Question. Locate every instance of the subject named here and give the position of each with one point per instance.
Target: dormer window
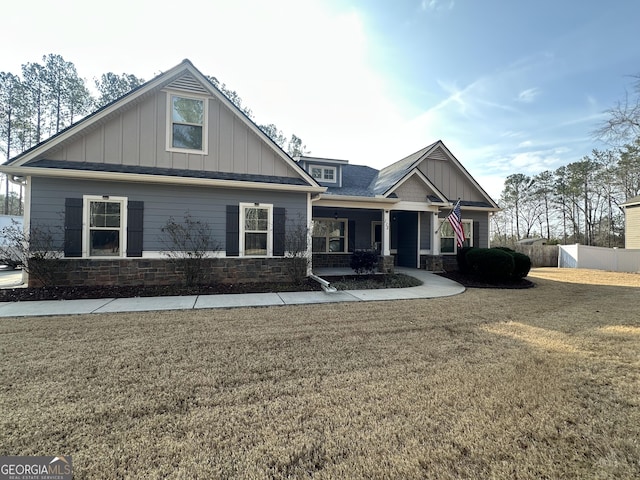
(323, 174)
(187, 124)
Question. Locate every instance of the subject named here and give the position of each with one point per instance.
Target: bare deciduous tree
(187, 244)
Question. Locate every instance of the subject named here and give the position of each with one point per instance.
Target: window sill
(186, 150)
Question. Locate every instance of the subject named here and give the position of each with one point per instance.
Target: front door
(407, 239)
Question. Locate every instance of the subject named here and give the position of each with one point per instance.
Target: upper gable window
(323, 174)
(187, 124)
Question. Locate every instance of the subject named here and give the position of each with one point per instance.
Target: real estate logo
(36, 468)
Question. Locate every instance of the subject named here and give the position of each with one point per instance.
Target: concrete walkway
(432, 286)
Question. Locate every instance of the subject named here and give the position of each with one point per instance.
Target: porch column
(309, 255)
(386, 234)
(435, 234)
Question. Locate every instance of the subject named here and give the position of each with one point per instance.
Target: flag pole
(454, 207)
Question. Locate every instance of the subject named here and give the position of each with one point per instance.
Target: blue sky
(510, 86)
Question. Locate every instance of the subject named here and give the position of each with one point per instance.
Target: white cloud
(528, 95)
(437, 5)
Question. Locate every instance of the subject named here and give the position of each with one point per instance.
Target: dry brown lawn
(518, 384)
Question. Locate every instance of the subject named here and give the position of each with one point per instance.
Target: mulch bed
(474, 281)
(115, 291)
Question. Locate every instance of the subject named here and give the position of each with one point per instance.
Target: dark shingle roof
(356, 180)
(468, 203)
(170, 172)
(390, 175)
(632, 201)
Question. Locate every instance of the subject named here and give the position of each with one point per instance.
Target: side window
(329, 236)
(256, 230)
(104, 226)
(448, 237)
(187, 117)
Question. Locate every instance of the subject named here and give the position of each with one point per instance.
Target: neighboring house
(176, 144)
(532, 241)
(632, 222)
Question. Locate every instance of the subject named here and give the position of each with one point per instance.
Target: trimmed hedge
(493, 264)
(522, 263)
(490, 263)
(461, 257)
(364, 261)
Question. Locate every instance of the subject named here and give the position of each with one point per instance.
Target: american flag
(455, 219)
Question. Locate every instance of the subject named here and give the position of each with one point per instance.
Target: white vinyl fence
(599, 258)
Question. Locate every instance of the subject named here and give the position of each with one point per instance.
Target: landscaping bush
(188, 244)
(295, 246)
(522, 263)
(461, 257)
(490, 263)
(364, 261)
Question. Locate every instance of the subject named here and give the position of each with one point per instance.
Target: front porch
(401, 237)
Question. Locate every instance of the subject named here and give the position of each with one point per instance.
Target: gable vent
(439, 154)
(188, 83)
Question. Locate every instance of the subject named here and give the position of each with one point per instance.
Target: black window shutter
(233, 231)
(73, 227)
(476, 234)
(135, 221)
(352, 236)
(279, 220)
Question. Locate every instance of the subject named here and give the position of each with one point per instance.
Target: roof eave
(355, 198)
(480, 209)
(155, 179)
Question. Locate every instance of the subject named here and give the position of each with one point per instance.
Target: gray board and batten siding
(439, 169)
(137, 136)
(208, 204)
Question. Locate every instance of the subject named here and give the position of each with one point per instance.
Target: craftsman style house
(176, 145)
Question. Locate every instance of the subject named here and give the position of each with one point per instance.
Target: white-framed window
(324, 174)
(448, 243)
(256, 230)
(187, 123)
(329, 235)
(104, 226)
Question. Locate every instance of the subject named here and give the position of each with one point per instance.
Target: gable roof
(362, 181)
(390, 176)
(184, 76)
(631, 202)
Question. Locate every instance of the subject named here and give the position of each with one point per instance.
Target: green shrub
(461, 257)
(522, 263)
(490, 263)
(364, 261)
